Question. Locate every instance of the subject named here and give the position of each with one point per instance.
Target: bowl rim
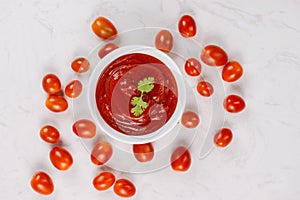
(171, 123)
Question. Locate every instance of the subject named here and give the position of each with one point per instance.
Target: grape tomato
(73, 89)
(190, 119)
(213, 55)
(180, 159)
(101, 153)
(205, 89)
(49, 134)
(187, 26)
(61, 158)
(106, 49)
(42, 183)
(104, 181)
(232, 71)
(80, 65)
(164, 41)
(124, 188)
(51, 84)
(56, 103)
(143, 152)
(84, 128)
(234, 103)
(192, 67)
(223, 137)
(104, 28)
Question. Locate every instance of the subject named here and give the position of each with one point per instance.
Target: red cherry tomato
(56, 103)
(223, 137)
(124, 188)
(205, 89)
(234, 104)
(164, 41)
(84, 128)
(73, 89)
(106, 49)
(187, 26)
(42, 183)
(49, 134)
(104, 181)
(80, 65)
(213, 55)
(192, 67)
(190, 119)
(143, 152)
(181, 159)
(104, 29)
(61, 158)
(51, 84)
(232, 71)
(101, 153)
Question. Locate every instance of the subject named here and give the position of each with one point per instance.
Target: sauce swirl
(117, 85)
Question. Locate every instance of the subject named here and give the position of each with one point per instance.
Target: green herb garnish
(144, 86)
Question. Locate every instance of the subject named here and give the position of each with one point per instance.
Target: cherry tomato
(232, 71)
(42, 183)
(223, 137)
(124, 188)
(213, 55)
(143, 152)
(190, 119)
(84, 128)
(181, 159)
(51, 84)
(192, 67)
(80, 65)
(56, 103)
(61, 158)
(101, 153)
(49, 134)
(164, 41)
(205, 89)
(106, 49)
(234, 104)
(104, 181)
(187, 26)
(73, 89)
(104, 29)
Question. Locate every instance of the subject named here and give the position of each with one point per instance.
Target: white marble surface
(262, 163)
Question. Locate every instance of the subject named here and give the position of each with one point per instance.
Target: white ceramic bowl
(169, 125)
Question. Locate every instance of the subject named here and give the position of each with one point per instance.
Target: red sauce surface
(117, 85)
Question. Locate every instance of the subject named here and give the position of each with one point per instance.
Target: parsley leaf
(145, 85)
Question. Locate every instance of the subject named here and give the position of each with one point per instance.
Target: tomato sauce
(118, 84)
